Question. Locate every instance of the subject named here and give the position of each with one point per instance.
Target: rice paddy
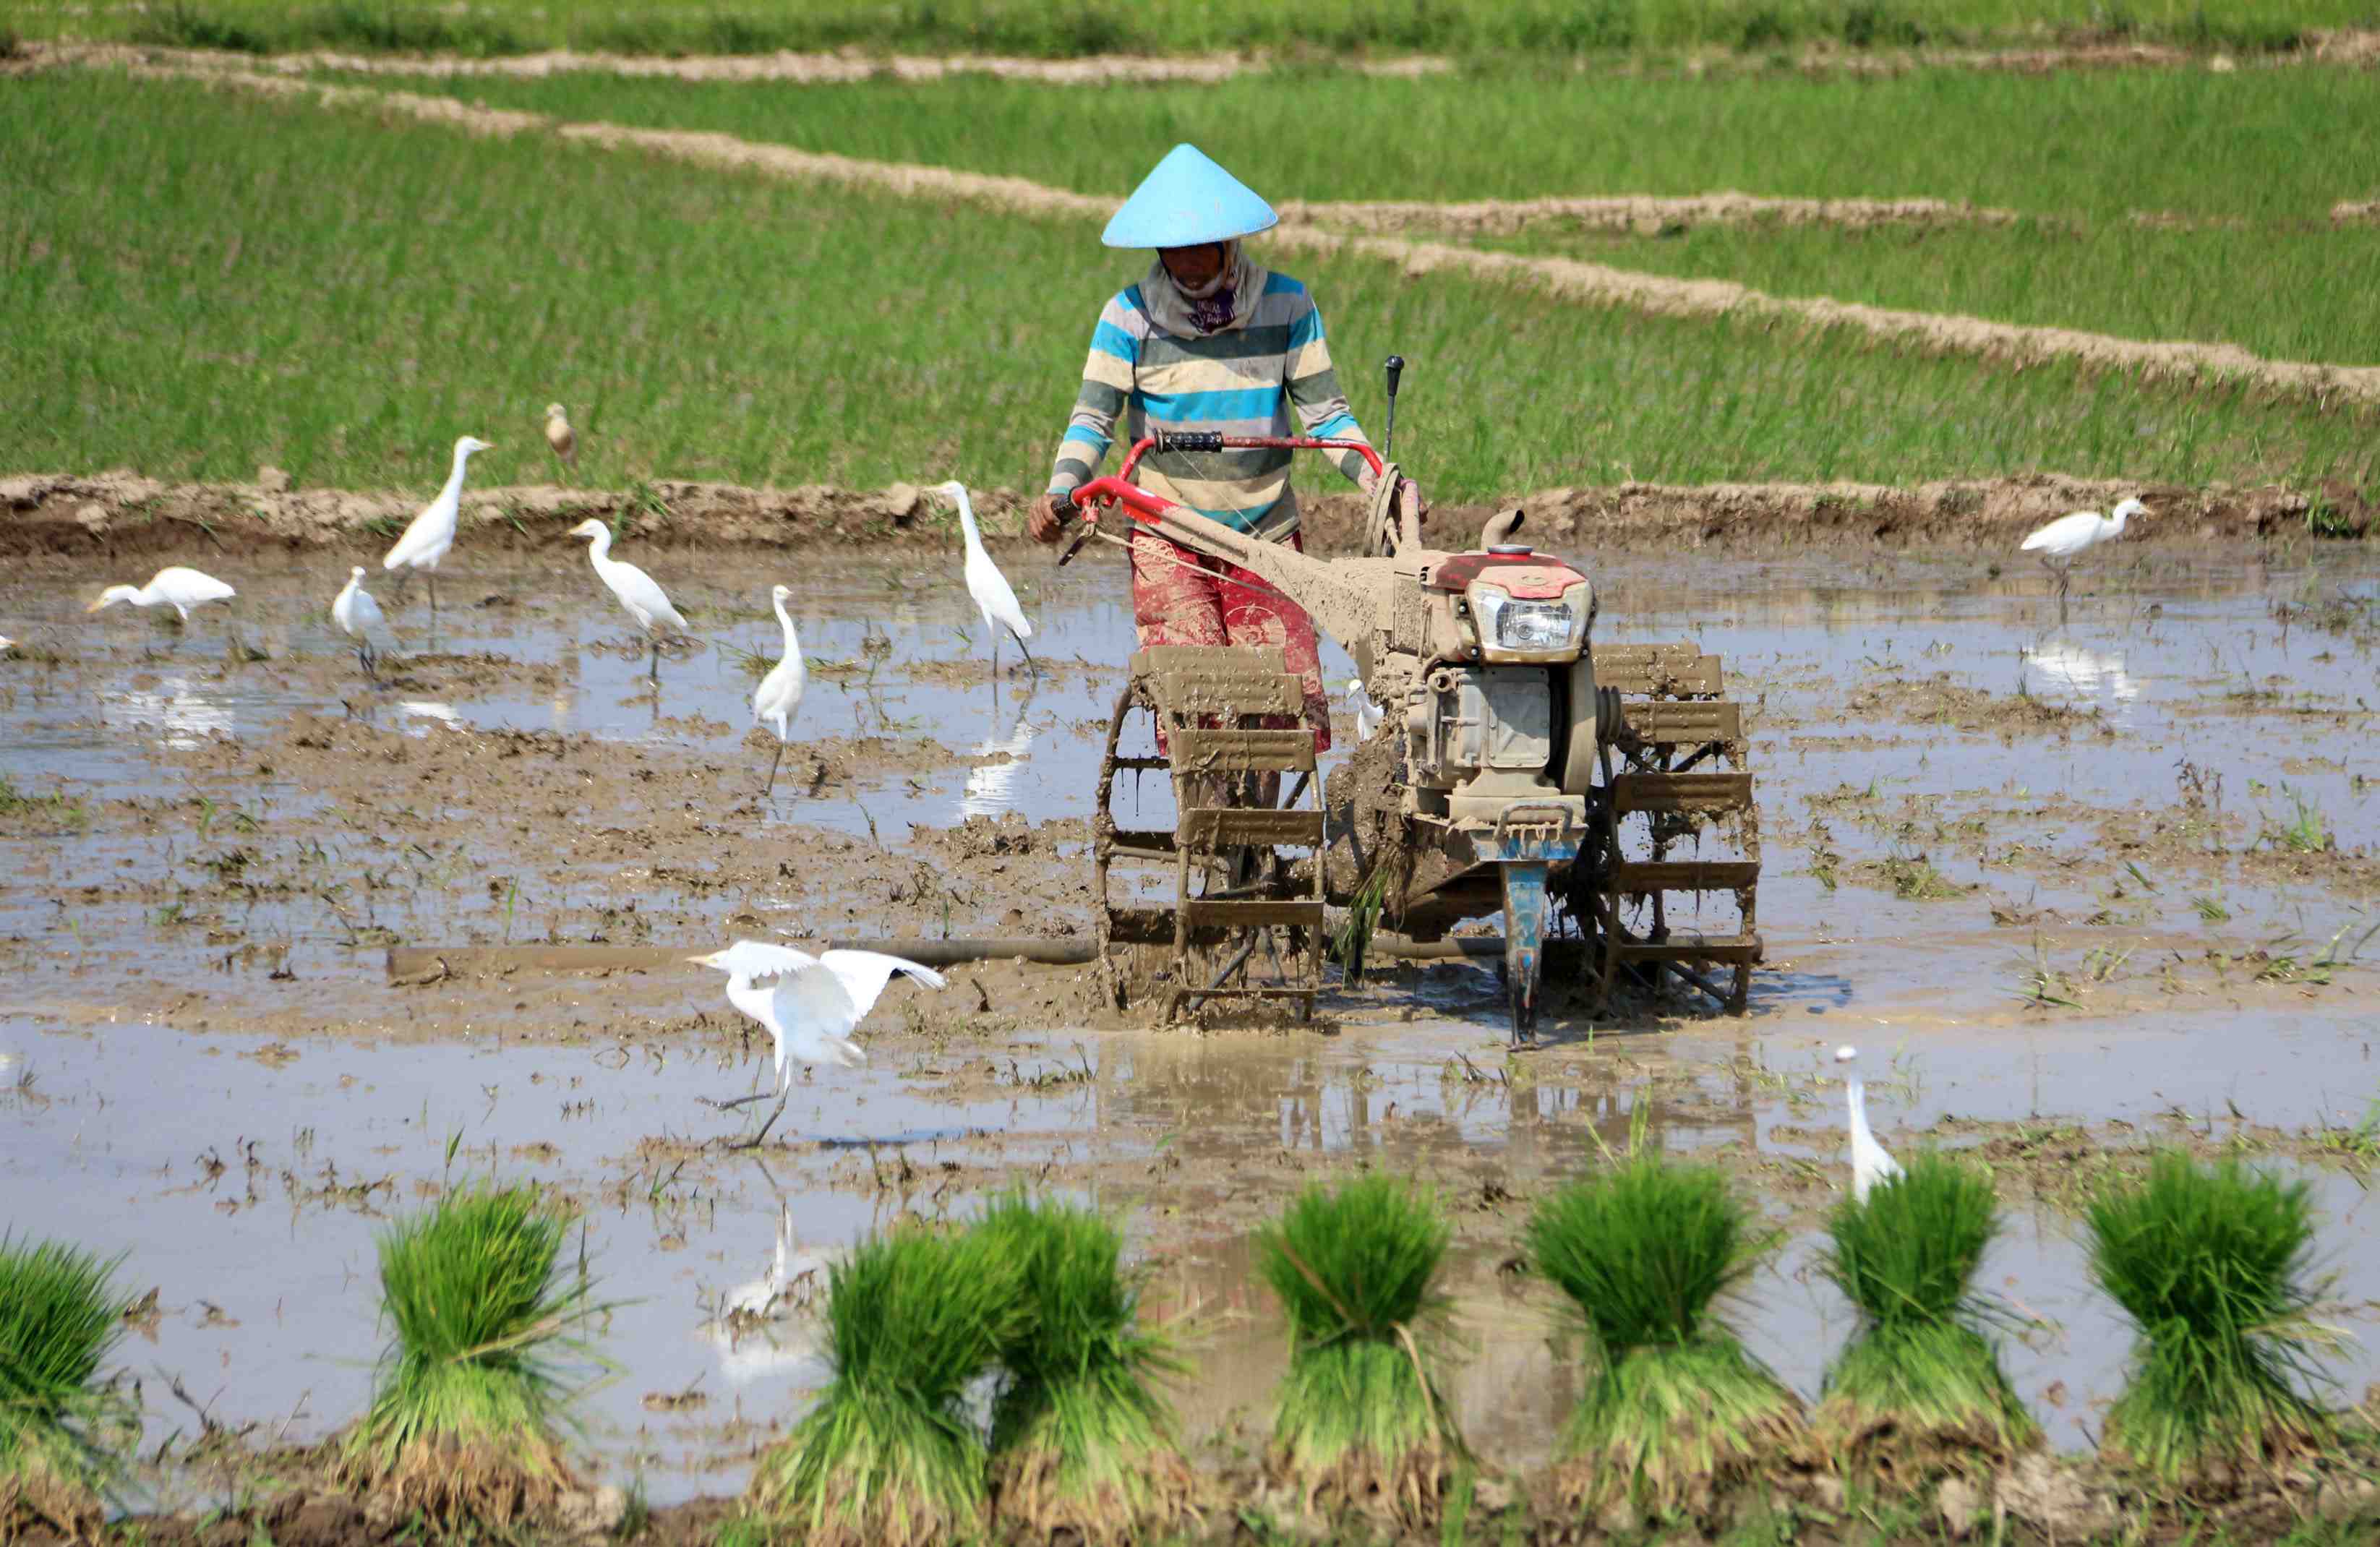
(1674, 1408)
(2214, 1266)
(469, 1418)
(888, 1454)
(191, 335)
(1358, 1422)
(1920, 1387)
(1471, 1322)
(62, 1430)
(1083, 1440)
(1095, 26)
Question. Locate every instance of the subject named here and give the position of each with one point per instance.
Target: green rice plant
(888, 1456)
(2211, 1266)
(465, 1430)
(60, 1314)
(1921, 1387)
(1357, 1419)
(131, 185)
(1674, 1408)
(1083, 1443)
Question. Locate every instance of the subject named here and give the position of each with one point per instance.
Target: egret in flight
(779, 696)
(1368, 714)
(359, 617)
(1870, 1163)
(559, 436)
(994, 597)
(173, 587)
(645, 600)
(811, 1002)
(431, 533)
(2069, 537)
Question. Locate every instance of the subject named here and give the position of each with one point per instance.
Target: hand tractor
(1519, 766)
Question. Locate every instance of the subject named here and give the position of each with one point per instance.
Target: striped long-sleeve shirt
(1242, 380)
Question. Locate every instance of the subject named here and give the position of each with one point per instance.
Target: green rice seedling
(1357, 1419)
(60, 1314)
(888, 1456)
(465, 1425)
(1674, 1408)
(1083, 1443)
(1921, 1387)
(2211, 1265)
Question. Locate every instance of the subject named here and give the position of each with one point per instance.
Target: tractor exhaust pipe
(1388, 440)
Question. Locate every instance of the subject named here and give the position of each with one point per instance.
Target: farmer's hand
(1047, 521)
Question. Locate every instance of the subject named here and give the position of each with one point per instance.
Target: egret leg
(1033, 666)
(654, 667)
(995, 655)
(771, 787)
(432, 583)
(754, 1142)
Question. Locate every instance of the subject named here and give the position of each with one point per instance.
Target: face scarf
(1225, 302)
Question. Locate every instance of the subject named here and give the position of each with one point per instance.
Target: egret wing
(2066, 534)
(864, 973)
(431, 532)
(640, 593)
(818, 1012)
(994, 594)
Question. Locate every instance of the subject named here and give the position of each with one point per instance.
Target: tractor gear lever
(1083, 528)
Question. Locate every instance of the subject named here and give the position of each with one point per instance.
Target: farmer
(1208, 341)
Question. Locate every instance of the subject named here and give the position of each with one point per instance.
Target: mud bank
(122, 513)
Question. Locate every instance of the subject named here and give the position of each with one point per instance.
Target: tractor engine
(1487, 654)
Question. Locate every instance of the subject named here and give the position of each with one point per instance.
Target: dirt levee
(124, 514)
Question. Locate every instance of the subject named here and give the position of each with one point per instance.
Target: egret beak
(97, 605)
(709, 960)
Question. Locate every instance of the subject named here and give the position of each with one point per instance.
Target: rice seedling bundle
(1357, 1419)
(1674, 1408)
(465, 1426)
(889, 1455)
(1082, 1442)
(1921, 1387)
(2211, 1266)
(59, 1316)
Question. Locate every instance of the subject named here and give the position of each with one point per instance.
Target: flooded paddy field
(2076, 889)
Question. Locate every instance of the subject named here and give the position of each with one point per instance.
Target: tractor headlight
(1513, 628)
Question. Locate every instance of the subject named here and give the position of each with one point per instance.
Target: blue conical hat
(1187, 200)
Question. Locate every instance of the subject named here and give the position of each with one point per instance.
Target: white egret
(558, 435)
(6, 642)
(779, 696)
(2069, 537)
(359, 617)
(173, 587)
(813, 1002)
(1368, 714)
(993, 596)
(1870, 1163)
(431, 533)
(645, 600)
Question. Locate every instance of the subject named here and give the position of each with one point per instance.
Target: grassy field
(1086, 27)
(200, 282)
(2249, 148)
(2113, 279)
(2277, 146)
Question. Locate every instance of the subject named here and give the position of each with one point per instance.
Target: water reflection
(177, 708)
(2074, 669)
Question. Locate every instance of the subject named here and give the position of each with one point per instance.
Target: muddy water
(1986, 862)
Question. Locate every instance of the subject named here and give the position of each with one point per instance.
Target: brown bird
(558, 435)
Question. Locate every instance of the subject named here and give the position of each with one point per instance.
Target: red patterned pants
(1180, 597)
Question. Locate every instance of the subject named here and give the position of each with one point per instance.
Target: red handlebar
(1117, 488)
